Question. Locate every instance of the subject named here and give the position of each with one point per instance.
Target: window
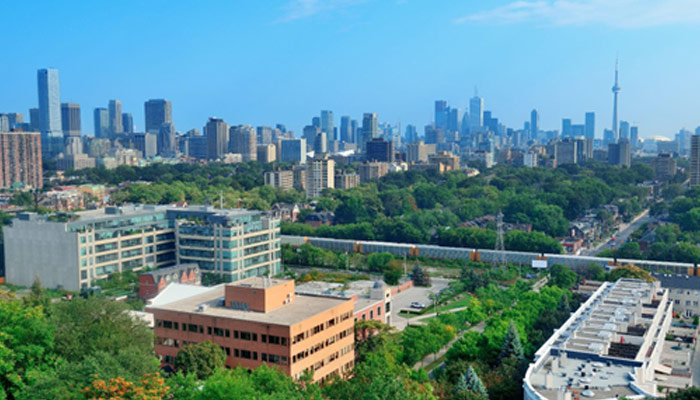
(379, 310)
(371, 314)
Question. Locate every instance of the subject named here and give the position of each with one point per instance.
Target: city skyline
(283, 84)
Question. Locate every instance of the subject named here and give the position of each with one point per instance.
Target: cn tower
(615, 90)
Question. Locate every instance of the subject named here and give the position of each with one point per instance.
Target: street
(621, 235)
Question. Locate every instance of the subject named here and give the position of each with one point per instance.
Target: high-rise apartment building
(50, 112)
(293, 150)
(261, 321)
(370, 129)
(327, 125)
(115, 118)
(664, 167)
(695, 160)
(283, 179)
(419, 152)
(264, 135)
(267, 153)
(476, 113)
(101, 118)
(372, 170)
(157, 112)
(321, 143)
(128, 123)
(589, 126)
(216, 131)
(20, 159)
(76, 254)
(346, 180)
(619, 153)
(242, 140)
(567, 151)
(320, 175)
(70, 119)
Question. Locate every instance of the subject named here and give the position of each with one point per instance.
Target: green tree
(470, 382)
(420, 277)
(512, 346)
(630, 271)
(200, 359)
(562, 276)
(393, 272)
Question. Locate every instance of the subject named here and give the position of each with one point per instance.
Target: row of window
(319, 328)
(687, 303)
(222, 332)
(319, 346)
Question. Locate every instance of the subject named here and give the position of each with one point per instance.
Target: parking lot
(404, 299)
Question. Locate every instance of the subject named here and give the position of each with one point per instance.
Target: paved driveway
(420, 294)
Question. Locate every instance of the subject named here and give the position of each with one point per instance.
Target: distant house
(317, 219)
(151, 283)
(285, 211)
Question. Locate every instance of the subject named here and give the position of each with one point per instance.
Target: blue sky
(263, 62)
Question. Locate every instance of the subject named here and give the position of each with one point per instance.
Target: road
(420, 294)
(623, 233)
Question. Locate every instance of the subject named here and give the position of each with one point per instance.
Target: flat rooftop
(258, 282)
(302, 308)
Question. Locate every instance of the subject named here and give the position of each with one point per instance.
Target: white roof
(177, 291)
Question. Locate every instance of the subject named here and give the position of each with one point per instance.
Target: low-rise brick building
(153, 282)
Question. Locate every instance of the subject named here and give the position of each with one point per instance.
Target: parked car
(418, 305)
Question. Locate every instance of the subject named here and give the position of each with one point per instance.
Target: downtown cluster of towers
(475, 130)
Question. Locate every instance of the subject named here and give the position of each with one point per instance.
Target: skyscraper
(15, 119)
(566, 127)
(616, 90)
(320, 175)
(242, 140)
(115, 118)
(534, 123)
(264, 135)
(34, 119)
(216, 131)
(634, 137)
(293, 150)
(624, 130)
(128, 123)
(695, 160)
(379, 149)
(411, 135)
(157, 112)
(167, 139)
(454, 120)
(476, 113)
(70, 119)
(50, 112)
(327, 125)
(345, 129)
(590, 125)
(441, 112)
(101, 117)
(370, 129)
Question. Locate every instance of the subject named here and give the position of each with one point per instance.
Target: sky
(282, 61)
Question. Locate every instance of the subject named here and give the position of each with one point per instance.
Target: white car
(416, 304)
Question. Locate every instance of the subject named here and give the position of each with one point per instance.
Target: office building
(454, 121)
(34, 120)
(266, 153)
(15, 120)
(609, 348)
(327, 125)
(101, 118)
(619, 153)
(264, 135)
(76, 254)
(624, 130)
(566, 130)
(372, 170)
(534, 123)
(476, 114)
(128, 123)
(320, 175)
(70, 119)
(411, 135)
(379, 149)
(261, 321)
(441, 114)
(346, 180)
(216, 131)
(694, 160)
(293, 150)
(167, 140)
(433, 135)
(309, 133)
(115, 118)
(242, 140)
(346, 130)
(147, 144)
(419, 152)
(634, 137)
(370, 129)
(589, 126)
(50, 112)
(198, 147)
(20, 159)
(283, 179)
(157, 112)
(664, 167)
